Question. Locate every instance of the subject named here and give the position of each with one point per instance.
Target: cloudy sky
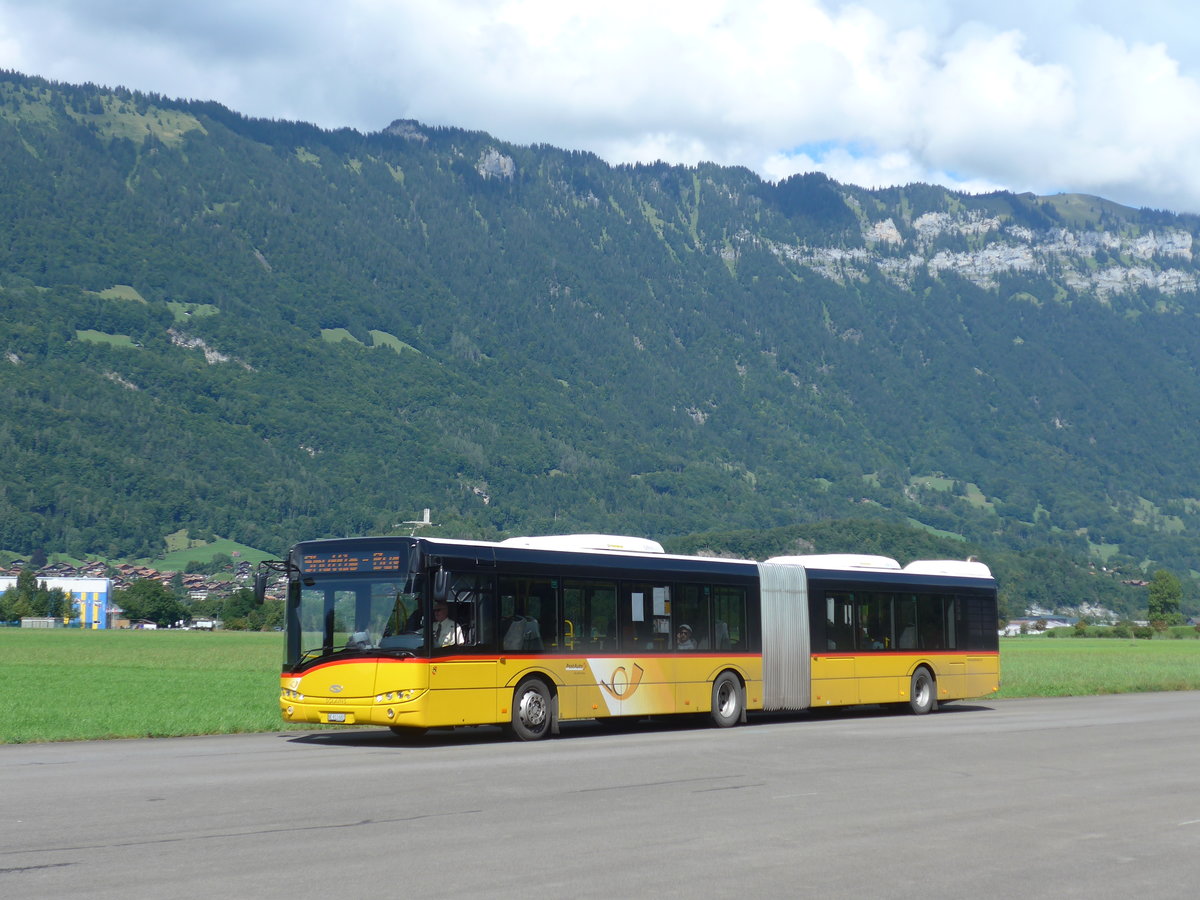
(1094, 96)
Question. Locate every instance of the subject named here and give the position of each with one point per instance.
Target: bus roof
(585, 542)
(851, 562)
(838, 561)
(962, 568)
(632, 548)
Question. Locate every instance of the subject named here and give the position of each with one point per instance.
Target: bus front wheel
(531, 710)
(726, 700)
(921, 695)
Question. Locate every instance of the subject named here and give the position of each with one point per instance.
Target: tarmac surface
(1078, 797)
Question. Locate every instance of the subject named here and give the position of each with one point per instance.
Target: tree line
(31, 598)
(145, 600)
(152, 601)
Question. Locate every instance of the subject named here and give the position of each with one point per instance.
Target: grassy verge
(79, 685)
(1040, 667)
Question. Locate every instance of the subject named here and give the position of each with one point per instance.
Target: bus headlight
(394, 696)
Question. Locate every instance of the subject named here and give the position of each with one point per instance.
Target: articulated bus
(415, 633)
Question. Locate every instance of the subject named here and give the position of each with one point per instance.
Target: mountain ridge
(644, 348)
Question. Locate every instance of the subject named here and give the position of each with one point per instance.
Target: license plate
(337, 717)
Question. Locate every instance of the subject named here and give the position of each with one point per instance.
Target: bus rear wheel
(727, 703)
(921, 696)
(531, 710)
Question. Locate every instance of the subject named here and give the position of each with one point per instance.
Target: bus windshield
(353, 614)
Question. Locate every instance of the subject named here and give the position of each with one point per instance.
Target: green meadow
(76, 684)
(80, 685)
(1068, 666)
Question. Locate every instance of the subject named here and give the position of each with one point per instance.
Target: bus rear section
(876, 633)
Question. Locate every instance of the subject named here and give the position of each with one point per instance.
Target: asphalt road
(1085, 797)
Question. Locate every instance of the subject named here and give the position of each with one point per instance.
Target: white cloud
(1043, 96)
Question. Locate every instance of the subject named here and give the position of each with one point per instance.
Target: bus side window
(953, 623)
(931, 622)
(648, 626)
(873, 630)
(692, 606)
(528, 615)
(729, 631)
(839, 621)
(472, 604)
(905, 622)
(591, 608)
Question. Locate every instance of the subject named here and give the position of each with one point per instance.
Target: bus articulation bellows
(415, 633)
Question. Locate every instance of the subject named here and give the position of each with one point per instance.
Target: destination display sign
(352, 561)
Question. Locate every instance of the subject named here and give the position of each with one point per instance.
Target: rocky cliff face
(980, 247)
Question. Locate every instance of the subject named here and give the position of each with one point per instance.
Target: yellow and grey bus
(415, 633)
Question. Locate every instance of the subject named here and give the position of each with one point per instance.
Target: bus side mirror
(260, 587)
(441, 586)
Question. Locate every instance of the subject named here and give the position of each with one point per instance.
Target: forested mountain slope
(268, 331)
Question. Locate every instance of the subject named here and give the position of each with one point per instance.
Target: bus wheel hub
(533, 708)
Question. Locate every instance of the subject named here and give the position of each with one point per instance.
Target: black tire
(922, 694)
(532, 710)
(727, 704)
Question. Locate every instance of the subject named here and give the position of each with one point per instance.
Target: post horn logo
(621, 685)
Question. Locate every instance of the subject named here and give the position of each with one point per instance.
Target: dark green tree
(13, 606)
(30, 597)
(151, 601)
(1165, 596)
(237, 609)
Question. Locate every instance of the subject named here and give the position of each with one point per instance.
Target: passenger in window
(446, 632)
(683, 638)
(523, 634)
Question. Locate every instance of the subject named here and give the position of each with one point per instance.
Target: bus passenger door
(462, 689)
(463, 672)
(533, 635)
(834, 679)
(590, 618)
(642, 678)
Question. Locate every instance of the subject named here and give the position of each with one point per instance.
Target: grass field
(76, 684)
(1040, 667)
(79, 685)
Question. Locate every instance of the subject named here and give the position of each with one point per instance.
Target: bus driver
(446, 632)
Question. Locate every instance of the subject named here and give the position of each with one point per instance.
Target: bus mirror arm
(262, 577)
